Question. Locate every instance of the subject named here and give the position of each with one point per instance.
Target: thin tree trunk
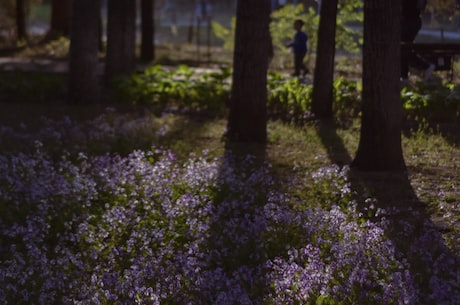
(322, 97)
(120, 38)
(60, 18)
(21, 31)
(83, 65)
(147, 33)
(248, 110)
(380, 140)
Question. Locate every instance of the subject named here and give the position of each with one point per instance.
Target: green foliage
(181, 88)
(347, 98)
(432, 102)
(349, 14)
(225, 34)
(413, 100)
(291, 100)
(58, 48)
(31, 86)
(288, 99)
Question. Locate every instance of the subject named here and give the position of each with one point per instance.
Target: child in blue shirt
(299, 48)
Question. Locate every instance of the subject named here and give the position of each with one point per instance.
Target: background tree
(60, 18)
(147, 30)
(120, 37)
(325, 55)
(247, 119)
(443, 10)
(83, 58)
(380, 137)
(21, 19)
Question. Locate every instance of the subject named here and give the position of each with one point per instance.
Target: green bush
(347, 98)
(438, 103)
(37, 87)
(182, 88)
(288, 99)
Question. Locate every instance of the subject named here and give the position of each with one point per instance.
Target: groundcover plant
(145, 228)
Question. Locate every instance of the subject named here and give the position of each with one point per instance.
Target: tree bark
(120, 58)
(247, 119)
(60, 18)
(83, 59)
(147, 31)
(380, 139)
(322, 96)
(21, 28)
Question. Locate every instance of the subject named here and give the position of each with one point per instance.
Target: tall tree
(325, 54)
(120, 37)
(21, 19)
(83, 59)
(380, 139)
(147, 30)
(247, 119)
(60, 18)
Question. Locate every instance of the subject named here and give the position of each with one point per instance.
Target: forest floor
(431, 184)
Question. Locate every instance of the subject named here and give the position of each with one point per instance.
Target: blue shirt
(299, 45)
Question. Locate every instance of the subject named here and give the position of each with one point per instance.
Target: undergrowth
(289, 99)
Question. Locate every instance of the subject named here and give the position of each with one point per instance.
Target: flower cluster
(109, 132)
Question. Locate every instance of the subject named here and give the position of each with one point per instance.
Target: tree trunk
(83, 65)
(120, 38)
(147, 33)
(21, 20)
(322, 97)
(380, 140)
(60, 18)
(247, 119)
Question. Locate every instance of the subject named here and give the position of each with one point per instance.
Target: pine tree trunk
(21, 20)
(322, 97)
(147, 33)
(248, 105)
(120, 38)
(83, 58)
(380, 140)
(60, 18)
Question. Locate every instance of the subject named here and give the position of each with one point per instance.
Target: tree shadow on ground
(451, 132)
(189, 132)
(234, 247)
(335, 147)
(235, 244)
(433, 267)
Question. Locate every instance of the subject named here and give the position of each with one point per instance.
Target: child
(299, 47)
